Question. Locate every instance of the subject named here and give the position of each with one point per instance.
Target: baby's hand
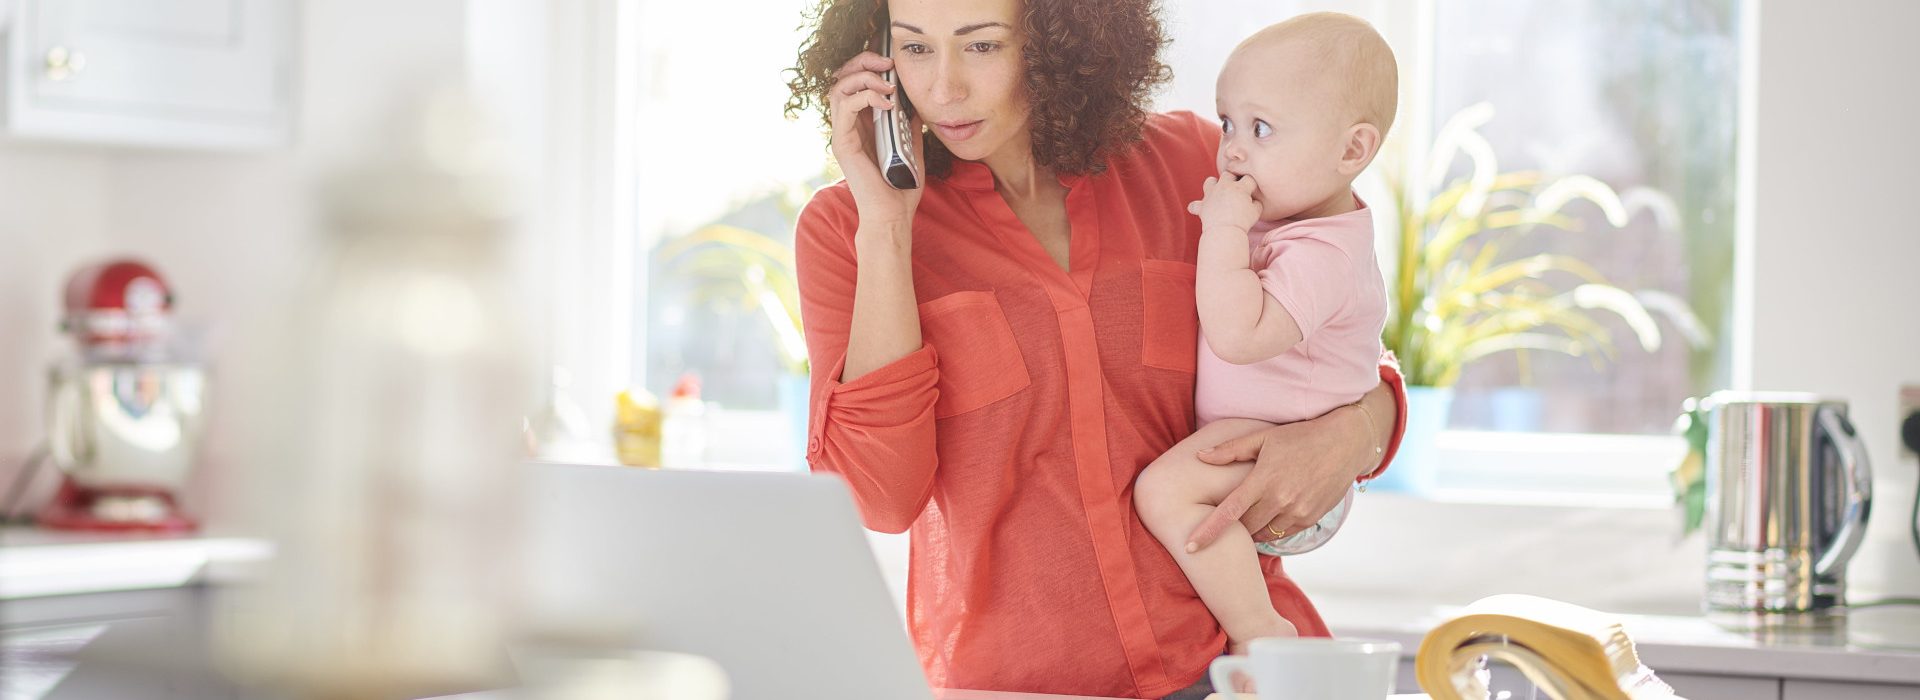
(1226, 203)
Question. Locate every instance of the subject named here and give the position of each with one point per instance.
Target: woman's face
(960, 64)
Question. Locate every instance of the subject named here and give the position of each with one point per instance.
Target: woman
(998, 355)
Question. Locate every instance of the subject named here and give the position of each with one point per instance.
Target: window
(720, 176)
(712, 149)
(1639, 94)
(1642, 95)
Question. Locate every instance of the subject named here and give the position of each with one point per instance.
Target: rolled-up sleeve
(877, 431)
(1396, 383)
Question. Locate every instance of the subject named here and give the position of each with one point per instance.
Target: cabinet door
(1501, 678)
(1829, 690)
(1707, 687)
(1404, 680)
(155, 72)
(1507, 679)
(123, 644)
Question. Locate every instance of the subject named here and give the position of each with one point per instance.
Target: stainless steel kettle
(1788, 492)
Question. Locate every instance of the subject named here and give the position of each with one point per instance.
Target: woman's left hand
(1301, 471)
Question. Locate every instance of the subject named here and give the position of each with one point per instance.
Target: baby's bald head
(1339, 56)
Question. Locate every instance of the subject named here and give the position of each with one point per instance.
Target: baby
(1291, 331)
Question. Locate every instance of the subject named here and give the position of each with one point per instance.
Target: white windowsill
(1558, 469)
(1542, 469)
(1551, 486)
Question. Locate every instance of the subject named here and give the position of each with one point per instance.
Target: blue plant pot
(1516, 409)
(794, 409)
(1416, 468)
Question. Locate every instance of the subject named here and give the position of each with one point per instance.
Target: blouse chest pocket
(1170, 325)
(980, 361)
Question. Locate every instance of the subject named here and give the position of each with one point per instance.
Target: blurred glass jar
(558, 431)
(385, 450)
(637, 423)
(602, 674)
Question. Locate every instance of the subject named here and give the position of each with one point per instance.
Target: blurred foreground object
(622, 675)
(387, 434)
(558, 431)
(683, 426)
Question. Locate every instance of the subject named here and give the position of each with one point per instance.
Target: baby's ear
(1363, 143)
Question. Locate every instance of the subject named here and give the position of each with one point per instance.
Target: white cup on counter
(1283, 668)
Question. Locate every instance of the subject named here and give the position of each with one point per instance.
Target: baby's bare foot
(1277, 627)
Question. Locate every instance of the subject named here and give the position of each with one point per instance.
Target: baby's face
(1280, 125)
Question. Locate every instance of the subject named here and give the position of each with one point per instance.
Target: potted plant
(1689, 479)
(755, 272)
(1453, 297)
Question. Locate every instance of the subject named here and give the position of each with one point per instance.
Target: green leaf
(1520, 341)
(1453, 231)
(748, 269)
(1695, 504)
(1456, 299)
(1571, 187)
(1617, 300)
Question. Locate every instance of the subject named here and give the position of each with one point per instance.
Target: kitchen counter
(39, 566)
(1874, 645)
(37, 563)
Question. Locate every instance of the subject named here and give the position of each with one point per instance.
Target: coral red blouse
(1010, 440)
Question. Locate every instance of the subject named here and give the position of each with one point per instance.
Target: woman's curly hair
(1091, 66)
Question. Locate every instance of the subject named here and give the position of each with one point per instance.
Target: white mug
(1284, 668)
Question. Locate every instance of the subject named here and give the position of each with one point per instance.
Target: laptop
(769, 574)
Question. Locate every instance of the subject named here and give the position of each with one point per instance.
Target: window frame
(1595, 469)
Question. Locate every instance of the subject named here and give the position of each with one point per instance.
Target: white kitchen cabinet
(1692, 686)
(1404, 680)
(110, 645)
(1830, 690)
(1689, 685)
(167, 73)
(1701, 686)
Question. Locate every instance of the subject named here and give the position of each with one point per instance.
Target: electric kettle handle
(1858, 476)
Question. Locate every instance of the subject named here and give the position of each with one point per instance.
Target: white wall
(229, 231)
(223, 229)
(1837, 240)
(53, 209)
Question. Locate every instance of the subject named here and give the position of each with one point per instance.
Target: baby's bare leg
(1172, 496)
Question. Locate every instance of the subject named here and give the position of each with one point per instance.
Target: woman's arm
(873, 386)
(871, 414)
(1301, 470)
(1387, 411)
(886, 320)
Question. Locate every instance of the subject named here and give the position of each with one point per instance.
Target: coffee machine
(124, 407)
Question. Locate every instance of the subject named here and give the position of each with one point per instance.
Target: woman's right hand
(858, 88)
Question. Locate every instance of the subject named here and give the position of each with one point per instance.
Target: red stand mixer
(124, 412)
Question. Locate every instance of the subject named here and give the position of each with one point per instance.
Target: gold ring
(1280, 533)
